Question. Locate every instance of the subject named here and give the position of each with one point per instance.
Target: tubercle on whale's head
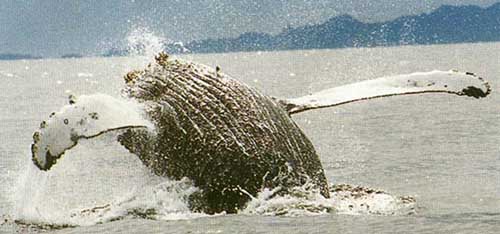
(162, 59)
(136, 78)
(131, 77)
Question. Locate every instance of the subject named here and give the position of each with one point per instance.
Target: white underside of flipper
(85, 118)
(452, 82)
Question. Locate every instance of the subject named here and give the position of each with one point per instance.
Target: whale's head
(85, 118)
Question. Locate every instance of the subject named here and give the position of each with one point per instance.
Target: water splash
(162, 199)
(141, 41)
(50, 200)
(345, 199)
(99, 181)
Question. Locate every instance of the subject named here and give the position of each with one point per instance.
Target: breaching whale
(232, 141)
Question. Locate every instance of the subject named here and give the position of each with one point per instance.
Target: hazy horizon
(51, 28)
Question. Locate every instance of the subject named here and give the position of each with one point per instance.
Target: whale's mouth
(89, 117)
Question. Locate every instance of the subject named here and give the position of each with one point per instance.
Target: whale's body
(229, 139)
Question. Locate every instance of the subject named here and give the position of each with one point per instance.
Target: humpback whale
(184, 119)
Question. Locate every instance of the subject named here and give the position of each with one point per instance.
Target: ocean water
(440, 149)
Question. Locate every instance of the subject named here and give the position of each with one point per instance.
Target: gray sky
(55, 27)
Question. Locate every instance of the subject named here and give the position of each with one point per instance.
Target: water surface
(441, 149)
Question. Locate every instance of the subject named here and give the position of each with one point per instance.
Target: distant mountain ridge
(447, 24)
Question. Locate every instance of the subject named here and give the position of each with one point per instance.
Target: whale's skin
(229, 139)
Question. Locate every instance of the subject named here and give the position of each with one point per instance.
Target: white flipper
(452, 82)
(85, 118)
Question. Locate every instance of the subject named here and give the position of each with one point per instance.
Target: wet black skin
(229, 139)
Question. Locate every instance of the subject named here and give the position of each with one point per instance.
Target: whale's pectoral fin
(452, 82)
(85, 118)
